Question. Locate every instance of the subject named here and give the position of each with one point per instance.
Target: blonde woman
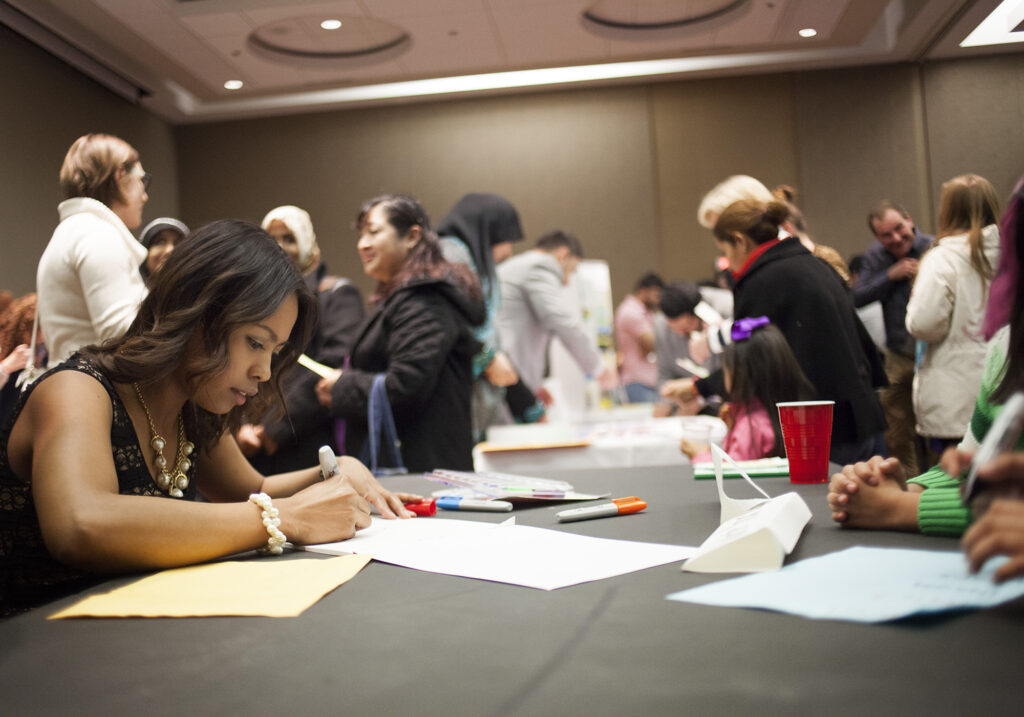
(947, 308)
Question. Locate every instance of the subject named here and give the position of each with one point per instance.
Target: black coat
(808, 302)
(308, 424)
(421, 338)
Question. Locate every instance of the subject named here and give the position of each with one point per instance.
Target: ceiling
(174, 56)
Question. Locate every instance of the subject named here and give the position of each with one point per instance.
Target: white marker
(619, 506)
(454, 502)
(328, 463)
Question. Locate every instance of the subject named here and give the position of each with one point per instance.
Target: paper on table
(755, 533)
(506, 553)
(863, 585)
(283, 588)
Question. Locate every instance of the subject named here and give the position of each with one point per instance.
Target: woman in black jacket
(808, 301)
(419, 335)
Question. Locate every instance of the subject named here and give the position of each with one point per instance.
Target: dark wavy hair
(763, 367)
(223, 276)
(424, 260)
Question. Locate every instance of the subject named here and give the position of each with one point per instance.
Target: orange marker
(619, 506)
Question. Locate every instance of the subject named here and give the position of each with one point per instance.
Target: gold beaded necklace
(174, 484)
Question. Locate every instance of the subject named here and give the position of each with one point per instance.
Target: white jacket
(88, 280)
(946, 310)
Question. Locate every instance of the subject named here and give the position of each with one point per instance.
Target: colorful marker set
(503, 485)
(498, 485)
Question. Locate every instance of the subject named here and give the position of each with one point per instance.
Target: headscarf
(301, 226)
(158, 225)
(1003, 291)
(155, 227)
(480, 221)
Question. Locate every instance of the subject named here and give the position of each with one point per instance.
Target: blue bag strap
(381, 421)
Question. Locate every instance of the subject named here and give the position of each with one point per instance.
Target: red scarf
(752, 257)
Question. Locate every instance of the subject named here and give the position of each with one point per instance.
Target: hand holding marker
(329, 468)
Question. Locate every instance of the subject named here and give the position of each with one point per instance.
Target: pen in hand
(328, 462)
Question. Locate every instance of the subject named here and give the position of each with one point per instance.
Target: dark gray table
(395, 641)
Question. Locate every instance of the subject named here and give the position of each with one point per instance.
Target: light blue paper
(863, 585)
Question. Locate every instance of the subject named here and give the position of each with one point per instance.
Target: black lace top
(28, 575)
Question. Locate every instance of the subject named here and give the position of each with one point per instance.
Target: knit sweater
(941, 510)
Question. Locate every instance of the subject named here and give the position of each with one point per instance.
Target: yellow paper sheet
(267, 588)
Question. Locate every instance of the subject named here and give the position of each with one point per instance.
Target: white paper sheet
(506, 553)
(863, 585)
(755, 533)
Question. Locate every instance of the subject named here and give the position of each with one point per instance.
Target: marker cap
(425, 508)
(632, 504)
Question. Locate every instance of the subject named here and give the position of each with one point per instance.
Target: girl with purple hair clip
(760, 371)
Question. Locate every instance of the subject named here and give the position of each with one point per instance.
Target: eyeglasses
(146, 177)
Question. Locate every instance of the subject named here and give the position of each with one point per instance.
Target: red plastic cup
(807, 434)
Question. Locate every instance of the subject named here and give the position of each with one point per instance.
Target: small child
(760, 371)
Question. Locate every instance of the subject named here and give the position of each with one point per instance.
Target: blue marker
(454, 502)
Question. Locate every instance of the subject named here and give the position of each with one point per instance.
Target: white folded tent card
(755, 534)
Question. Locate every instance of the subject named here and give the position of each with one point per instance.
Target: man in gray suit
(533, 310)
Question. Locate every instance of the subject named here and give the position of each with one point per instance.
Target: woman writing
(88, 279)
(103, 458)
(418, 335)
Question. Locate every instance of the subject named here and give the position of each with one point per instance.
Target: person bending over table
(102, 462)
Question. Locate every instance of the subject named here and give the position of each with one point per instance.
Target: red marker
(619, 506)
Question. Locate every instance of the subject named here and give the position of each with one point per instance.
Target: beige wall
(579, 161)
(46, 106)
(623, 167)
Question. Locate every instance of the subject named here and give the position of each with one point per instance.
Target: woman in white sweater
(88, 279)
(947, 308)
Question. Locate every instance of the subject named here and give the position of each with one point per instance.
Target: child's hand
(873, 495)
(690, 448)
(999, 532)
(727, 414)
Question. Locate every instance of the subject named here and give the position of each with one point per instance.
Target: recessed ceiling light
(330, 24)
(233, 85)
(807, 32)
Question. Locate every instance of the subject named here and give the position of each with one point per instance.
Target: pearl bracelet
(276, 541)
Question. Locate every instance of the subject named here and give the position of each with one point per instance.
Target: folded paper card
(863, 585)
(269, 588)
(755, 534)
